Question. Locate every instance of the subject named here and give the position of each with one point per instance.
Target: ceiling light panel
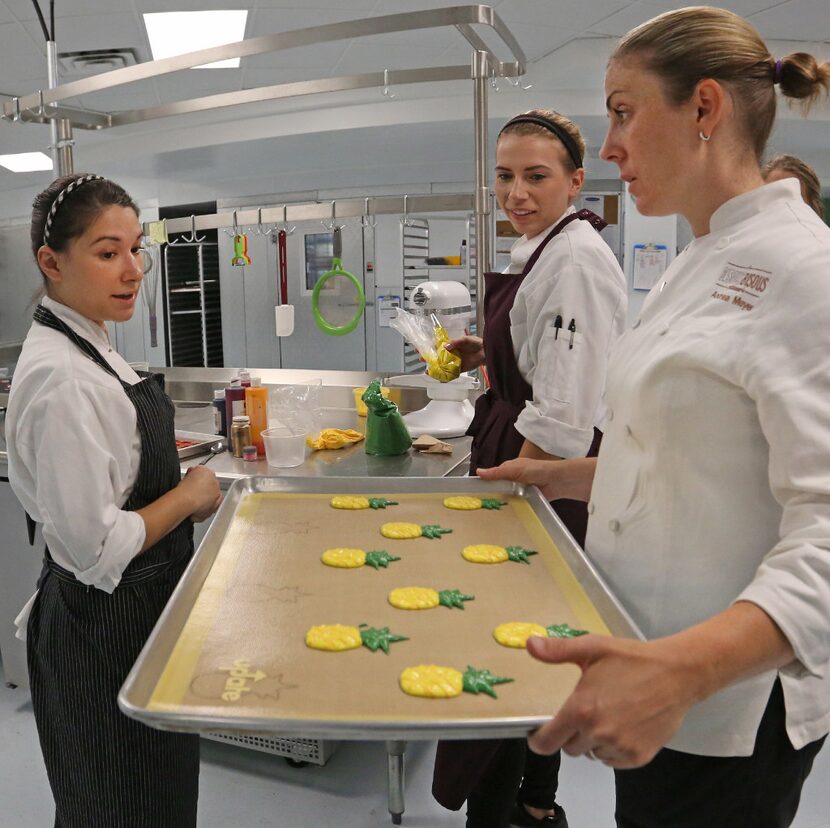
(176, 33)
(26, 162)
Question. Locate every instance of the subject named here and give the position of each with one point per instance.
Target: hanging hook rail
(405, 220)
(284, 226)
(193, 238)
(177, 240)
(259, 228)
(368, 220)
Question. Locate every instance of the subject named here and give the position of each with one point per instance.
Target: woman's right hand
(202, 488)
(572, 479)
(470, 349)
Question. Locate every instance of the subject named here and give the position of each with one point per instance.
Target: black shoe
(522, 819)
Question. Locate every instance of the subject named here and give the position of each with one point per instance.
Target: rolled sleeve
(82, 468)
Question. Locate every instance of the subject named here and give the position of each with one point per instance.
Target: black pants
(681, 790)
(514, 767)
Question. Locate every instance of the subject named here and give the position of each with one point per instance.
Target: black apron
(106, 770)
(459, 765)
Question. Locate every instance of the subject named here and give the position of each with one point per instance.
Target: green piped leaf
(432, 530)
(482, 681)
(490, 503)
(453, 598)
(519, 554)
(564, 631)
(379, 639)
(381, 502)
(379, 559)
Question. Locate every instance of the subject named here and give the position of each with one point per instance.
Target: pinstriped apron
(106, 770)
(460, 765)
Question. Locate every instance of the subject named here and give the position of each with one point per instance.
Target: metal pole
(481, 73)
(60, 129)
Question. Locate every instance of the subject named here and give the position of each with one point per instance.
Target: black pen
(572, 329)
(557, 323)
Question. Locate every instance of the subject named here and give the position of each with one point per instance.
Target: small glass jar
(249, 453)
(240, 434)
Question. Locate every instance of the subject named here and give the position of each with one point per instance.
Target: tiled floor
(241, 788)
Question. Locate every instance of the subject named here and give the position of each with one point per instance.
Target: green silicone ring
(322, 324)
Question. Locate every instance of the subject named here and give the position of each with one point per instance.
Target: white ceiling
(423, 134)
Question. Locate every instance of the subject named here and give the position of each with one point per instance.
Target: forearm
(533, 452)
(735, 644)
(162, 516)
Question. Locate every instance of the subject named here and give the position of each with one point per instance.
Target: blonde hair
(806, 175)
(535, 129)
(688, 45)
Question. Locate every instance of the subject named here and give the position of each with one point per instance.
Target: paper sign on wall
(650, 262)
(386, 308)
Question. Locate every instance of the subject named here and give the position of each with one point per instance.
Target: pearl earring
(704, 137)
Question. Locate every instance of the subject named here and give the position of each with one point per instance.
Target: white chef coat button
(636, 323)
(591, 507)
(610, 415)
(614, 525)
(722, 243)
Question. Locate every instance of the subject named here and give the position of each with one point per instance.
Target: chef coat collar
(755, 201)
(78, 322)
(523, 247)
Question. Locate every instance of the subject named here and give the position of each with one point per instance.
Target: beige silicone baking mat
(241, 653)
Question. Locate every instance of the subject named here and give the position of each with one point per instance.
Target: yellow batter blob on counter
(432, 681)
(516, 633)
(344, 558)
(414, 598)
(486, 553)
(333, 637)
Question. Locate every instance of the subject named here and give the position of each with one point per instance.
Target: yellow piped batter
(350, 502)
(516, 633)
(413, 598)
(333, 637)
(485, 553)
(432, 681)
(463, 502)
(344, 558)
(400, 531)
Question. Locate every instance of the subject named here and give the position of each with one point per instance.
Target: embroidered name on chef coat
(740, 286)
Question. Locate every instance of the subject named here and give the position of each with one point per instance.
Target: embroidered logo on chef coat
(741, 286)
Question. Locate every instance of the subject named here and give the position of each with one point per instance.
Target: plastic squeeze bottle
(256, 407)
(234, 401)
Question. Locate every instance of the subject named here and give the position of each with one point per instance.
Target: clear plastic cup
(284, 447)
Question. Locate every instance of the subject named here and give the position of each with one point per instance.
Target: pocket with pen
(556, 372)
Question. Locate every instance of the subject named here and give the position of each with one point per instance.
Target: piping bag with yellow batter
(333, 438)
(386, 432)
(445, 366)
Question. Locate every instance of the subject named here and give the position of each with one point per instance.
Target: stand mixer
(449, 412)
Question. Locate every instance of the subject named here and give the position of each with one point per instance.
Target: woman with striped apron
(106, 770)
(526, 404)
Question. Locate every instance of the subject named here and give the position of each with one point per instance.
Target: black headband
(562, 134)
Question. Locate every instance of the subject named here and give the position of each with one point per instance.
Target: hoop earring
(703, 137)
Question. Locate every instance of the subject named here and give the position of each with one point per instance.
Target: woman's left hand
(629, 702)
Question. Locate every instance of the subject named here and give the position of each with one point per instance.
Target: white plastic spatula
(283, 313)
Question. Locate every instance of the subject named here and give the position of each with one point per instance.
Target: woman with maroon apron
(86, 433)
(549, 321)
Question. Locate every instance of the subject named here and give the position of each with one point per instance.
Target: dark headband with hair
(560, 132)
(61, 197)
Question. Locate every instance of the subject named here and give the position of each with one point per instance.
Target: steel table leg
(395, 779)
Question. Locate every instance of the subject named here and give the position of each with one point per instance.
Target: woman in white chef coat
(549, 322)
(788, 166)
(92, 457)
(710, 499)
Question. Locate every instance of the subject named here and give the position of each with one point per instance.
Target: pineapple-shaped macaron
(488, 553)
(418, 598)
(467, 503)
(516, 633)
(434, 681)
(403, 531)
(345, 558)
(360, 502)
(338, 637)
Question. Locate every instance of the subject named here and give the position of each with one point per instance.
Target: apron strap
(582, 215)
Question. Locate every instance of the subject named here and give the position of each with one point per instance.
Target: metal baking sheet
(201, 443)
(228, 652)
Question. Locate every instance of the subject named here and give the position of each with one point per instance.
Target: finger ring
(589, 754)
